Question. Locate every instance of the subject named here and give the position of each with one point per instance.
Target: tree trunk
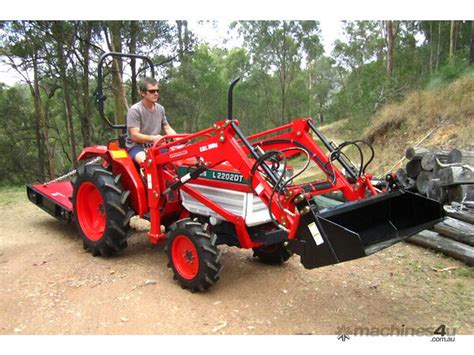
(465, 216)
(438, 51)
(436, 192)
(179, 25)
(39, 143)
(282, 92)
(413, 168)
(452, 39)
(43, 124)
(422, 181)
(461, 156)
(118, 90)
(58, 32)
(186, 35)
(310, 93)
(283, 77)
(390, 46)
(283, 105)
(472, 43)
(431, 48)
(416, 153)
(456, 175)
(407, 182)
(401, 174)
(133, 48)
(430, 160)
(86, 126)
(433, 240)
(461, 193)
(458, 230)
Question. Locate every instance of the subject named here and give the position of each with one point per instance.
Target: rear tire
(272, 254)
(101, 210)
(193, 255)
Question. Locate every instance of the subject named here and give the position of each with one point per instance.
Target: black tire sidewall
(111, 240)
(207, 254)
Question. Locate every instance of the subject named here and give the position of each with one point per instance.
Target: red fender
(121, 164)
(92, 152)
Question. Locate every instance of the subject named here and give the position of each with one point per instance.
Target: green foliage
(367, 87)
(363, 93)
(10, 195)
(465, 272)
(17, 137)
(277, 48)
(452, 70)
(283, 70)
(195, 94)
(364, 43)
(324, 77)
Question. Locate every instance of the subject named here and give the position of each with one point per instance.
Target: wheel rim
(185, 257)
(90, 210)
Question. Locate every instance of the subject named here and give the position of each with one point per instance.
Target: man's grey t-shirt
(148, 122)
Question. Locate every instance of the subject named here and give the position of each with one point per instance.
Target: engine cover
(245, 204)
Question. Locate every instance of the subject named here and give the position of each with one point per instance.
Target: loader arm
(367, 223)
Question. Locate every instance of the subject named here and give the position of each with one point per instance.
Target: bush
(453, 69)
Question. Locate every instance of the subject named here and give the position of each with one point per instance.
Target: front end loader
(220, 187)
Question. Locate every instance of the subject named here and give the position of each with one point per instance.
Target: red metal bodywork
(221, 146)
(60, 192)
(121, 164)
(186, 256)
(216, 148)
(91, 211)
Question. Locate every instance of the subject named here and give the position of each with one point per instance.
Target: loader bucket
(361, 228)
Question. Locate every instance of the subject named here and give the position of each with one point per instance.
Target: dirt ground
(51, 286)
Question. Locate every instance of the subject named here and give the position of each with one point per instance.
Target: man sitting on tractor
(145, 121)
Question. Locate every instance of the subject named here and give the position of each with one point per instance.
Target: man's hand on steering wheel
(156, 138)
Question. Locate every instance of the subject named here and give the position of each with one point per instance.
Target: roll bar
(99, 95)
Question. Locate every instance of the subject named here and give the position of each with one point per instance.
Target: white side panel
(232, 201)
(257, 211)
(246, 205)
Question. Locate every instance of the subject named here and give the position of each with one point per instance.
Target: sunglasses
(153, 91)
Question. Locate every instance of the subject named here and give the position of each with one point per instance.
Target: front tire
(193, 255)
(101, 210)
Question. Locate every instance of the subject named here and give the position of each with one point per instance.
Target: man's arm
(138, 137)
(168, 129)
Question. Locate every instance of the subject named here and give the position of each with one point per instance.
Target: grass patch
(461, 286)
(416, 267)
(400, 125)
(465, 272)
(12, 194)
(312, 172)
(439, 265)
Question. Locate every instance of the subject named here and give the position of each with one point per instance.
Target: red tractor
(218, 186)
